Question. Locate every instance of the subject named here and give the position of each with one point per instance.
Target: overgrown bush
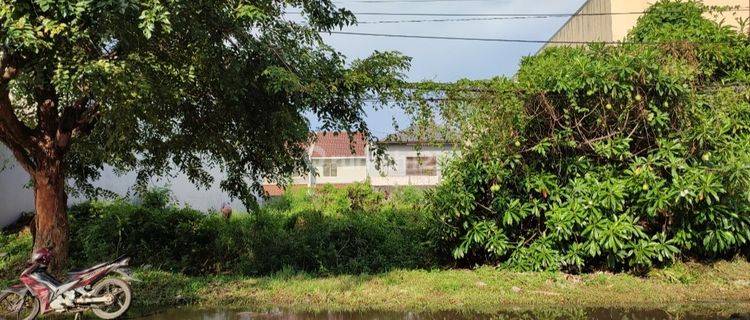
(15, 250)
(350, 230)
(615, 157)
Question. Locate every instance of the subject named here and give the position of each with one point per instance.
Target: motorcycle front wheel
(15, 306)
(120, 298)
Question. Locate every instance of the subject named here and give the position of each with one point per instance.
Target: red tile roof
(337, 144)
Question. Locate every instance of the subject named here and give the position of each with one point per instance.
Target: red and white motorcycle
(91, 289)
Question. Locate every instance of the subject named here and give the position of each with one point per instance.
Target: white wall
(395, 175)
(349, 170)
(14, 198)
(183, 191)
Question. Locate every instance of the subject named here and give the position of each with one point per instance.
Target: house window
(421, 166)
(329, 168)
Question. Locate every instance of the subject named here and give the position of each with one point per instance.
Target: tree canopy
(158, 86)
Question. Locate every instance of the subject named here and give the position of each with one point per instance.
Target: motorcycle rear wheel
(9, 302)
(122, 294)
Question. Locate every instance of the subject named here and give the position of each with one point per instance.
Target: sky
(448, 60)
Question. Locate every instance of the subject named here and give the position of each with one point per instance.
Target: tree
(155, 86)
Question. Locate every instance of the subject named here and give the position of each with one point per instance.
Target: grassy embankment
(723, 287)
(317, 234)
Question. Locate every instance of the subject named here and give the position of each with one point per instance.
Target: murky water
(577, 314)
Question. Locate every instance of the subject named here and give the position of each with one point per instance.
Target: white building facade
(412, 165)
(340, 160)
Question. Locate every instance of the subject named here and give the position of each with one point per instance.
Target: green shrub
(348, 230)
(605, 157)
(155, 198)
(15, 250)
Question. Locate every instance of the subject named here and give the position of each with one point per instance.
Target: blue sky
(449, 60)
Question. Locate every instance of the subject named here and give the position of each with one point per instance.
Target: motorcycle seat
(75, 273)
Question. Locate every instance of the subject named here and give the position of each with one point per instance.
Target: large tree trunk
(51, 221)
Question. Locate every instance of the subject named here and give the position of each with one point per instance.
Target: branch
(13, 127)
(590, 142)
(79, 118)
(18, 151)
(10, 68)
(47, 108)
(88, 120)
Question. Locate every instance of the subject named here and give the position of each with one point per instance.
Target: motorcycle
(103, 289)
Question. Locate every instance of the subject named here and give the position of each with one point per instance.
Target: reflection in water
(552, 314)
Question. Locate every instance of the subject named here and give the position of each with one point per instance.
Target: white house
(338, 159)
(414, 162)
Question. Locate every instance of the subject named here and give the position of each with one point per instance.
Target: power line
(404, 1)
(523, 15)
(391, 35)
(453, 20)
(409, 36)
(489, 18)
(541, 15)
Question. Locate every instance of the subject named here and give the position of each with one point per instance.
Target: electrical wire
(522, 15)
(506, 40)
(404, 1)
(452, 20)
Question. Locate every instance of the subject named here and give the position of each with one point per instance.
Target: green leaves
(611, 236)
(250, 12)
(483, 233)
(516, 212)
(618, 148)
(152, 16)
(540, 255)
(645, 252)
(718, 240)
(605, 157)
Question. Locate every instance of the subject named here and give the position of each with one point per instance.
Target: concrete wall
(14, 198)
(616, 27)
